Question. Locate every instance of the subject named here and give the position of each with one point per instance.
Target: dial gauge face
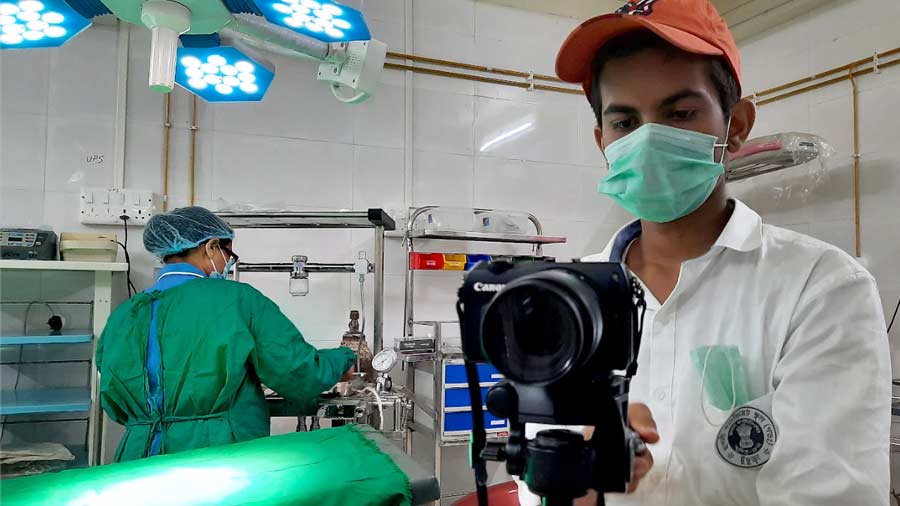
(385, 360)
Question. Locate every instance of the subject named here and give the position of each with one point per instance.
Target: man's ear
(210, 246)
(743, 117)
(598, 138)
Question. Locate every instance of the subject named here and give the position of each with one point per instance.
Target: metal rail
(376, 219)
(288, 267)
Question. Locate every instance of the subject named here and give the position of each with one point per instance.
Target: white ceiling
(746, 17)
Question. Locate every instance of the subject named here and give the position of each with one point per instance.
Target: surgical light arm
(257, 32)
(356, 65)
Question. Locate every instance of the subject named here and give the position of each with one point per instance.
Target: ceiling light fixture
(321, 19)
(223, 74)
(26, 24)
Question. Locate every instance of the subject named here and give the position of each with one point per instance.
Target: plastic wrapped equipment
(775, 152)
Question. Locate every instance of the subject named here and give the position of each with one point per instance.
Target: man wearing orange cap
(764, 371)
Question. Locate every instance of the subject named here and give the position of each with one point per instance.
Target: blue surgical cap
(182, 229)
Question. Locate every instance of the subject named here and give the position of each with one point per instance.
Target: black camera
(565, 336)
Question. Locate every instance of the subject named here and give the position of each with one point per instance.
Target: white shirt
(808, 324)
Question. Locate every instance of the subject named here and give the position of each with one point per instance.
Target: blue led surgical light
(222, 74)
(32, 23)
(323, 20)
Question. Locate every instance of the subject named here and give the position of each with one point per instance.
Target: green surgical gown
(219, 340)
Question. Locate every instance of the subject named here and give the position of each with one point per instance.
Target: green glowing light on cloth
(329, 467)
(182, 486)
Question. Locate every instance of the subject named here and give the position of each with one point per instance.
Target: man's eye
(624, 124)
(684, 115)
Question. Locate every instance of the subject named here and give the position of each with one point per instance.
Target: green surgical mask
(660, 173)
(723, 379)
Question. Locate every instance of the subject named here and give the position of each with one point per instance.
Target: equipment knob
(502, 400)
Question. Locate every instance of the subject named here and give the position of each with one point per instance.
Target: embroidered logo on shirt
(747, 438)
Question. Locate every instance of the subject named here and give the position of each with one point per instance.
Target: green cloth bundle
(328, 467)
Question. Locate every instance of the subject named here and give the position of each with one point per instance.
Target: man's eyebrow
(681, 95)
(620, 109)
(667, 102)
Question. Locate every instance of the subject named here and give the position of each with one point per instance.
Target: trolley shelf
(84, 400)
(52, 400)
(448, 424)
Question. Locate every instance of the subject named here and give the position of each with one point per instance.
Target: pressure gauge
(385, 360)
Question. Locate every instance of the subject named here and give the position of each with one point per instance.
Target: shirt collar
(622, 240)
(180, 268)
(743, 232)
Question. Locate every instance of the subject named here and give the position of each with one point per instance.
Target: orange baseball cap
(694, 26)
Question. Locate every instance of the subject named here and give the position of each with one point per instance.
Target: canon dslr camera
(565, 336)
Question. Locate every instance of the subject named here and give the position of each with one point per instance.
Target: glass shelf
(451, 235)
(50, 400)
(64, 337)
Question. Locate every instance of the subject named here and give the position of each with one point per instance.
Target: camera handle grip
(638, 446)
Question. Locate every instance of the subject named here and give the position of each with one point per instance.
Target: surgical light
(26, 24)
(323, 20)
(222, 74)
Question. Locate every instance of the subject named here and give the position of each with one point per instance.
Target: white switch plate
(106, 206)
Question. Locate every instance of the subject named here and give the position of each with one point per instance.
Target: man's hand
(641, 421)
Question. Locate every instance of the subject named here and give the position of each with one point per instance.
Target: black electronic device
(565, 336)
(27, 244)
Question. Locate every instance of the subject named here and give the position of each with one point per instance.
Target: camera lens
(540, 327)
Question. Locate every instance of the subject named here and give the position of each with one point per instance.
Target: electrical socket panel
(106, 206)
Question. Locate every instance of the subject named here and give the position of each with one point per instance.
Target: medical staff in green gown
(181, 364)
